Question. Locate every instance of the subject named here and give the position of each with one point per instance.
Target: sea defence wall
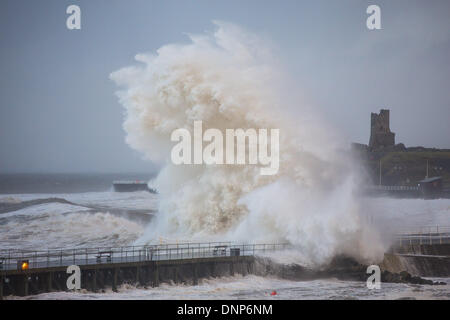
(423, 249)
(417, 265)
(425, 260)
(145, 273)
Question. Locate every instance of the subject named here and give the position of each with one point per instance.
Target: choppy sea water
(262, 288)
(106, 218)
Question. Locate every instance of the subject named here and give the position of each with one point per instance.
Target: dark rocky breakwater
(341, 267)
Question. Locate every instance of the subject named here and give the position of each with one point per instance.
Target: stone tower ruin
(380, 134)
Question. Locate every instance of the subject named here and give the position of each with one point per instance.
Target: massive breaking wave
(228, 79)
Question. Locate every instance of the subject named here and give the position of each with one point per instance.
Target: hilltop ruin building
(380, 134)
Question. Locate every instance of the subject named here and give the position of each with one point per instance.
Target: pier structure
(25, 272)
(132, 186)
(422, 252)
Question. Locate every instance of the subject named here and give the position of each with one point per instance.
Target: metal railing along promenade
(11, 259)
(424, 235)
(393, 188)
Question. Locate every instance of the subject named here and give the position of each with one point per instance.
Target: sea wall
(417, 265)
(423, 249)
(419, 259)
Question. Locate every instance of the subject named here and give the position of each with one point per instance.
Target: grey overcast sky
(58, 111)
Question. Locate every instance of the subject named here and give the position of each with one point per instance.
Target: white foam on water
(254, 287)
(46, 208)
(58, 225)
(61, 225)
(126, 200)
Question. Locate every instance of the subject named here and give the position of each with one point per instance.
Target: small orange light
(25, 265)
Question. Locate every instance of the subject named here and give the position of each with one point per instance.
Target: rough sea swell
(52, 225)
(229, 80)
(93, 219)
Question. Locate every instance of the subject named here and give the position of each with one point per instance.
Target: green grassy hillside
(407, 168)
